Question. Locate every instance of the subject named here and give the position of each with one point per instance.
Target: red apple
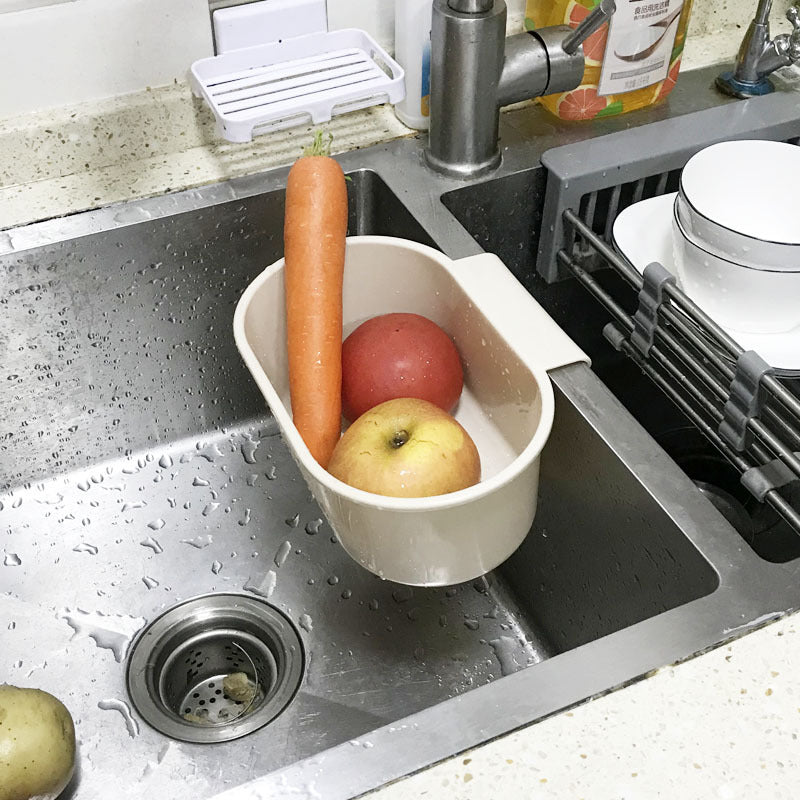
(406, 447)
(399, 355)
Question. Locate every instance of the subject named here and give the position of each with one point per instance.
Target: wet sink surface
(144, 470)
(141, 468)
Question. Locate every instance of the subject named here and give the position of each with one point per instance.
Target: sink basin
(145, 462)
(141, 470)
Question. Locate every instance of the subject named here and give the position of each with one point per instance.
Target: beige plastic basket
(507, 343)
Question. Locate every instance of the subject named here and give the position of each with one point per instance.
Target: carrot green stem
(320, 146)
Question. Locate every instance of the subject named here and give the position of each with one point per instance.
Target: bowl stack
(736, 233)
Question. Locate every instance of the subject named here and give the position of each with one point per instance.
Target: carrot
(315, 227)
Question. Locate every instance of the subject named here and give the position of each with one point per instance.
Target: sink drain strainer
(215, 668)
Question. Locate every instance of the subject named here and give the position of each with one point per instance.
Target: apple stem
(399, 439)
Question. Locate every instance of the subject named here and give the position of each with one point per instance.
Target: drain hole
(246, 659)
(252, 679)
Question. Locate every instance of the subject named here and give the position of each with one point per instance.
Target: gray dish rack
(749, 411)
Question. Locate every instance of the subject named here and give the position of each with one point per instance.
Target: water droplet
(12, 560)
(333, 580)
(506, 649)
(216, 566)
(199, 542)
(149, 582)
(249, 447)
(209, 508)
(282, 553)
(246, 519)
(133, 504)
(472, 624)
(293, 522)
(156, 524)
(112, 632)
(251, 479)
(131, 214)
(51, 501)
(263, 587)
(200, 482)
(373, 605)
(85, 547)
(306, 623)
(347, 594)
(152, 544)
(312, 528)
(202, 451)
(402, 594)
(271, 473)
(131, 724)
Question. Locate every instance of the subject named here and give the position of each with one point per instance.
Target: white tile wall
(69, 52)
(88, 49)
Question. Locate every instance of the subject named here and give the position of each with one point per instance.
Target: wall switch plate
(253, 24)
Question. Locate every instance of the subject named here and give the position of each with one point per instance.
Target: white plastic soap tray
(296, 81)
(507, 342)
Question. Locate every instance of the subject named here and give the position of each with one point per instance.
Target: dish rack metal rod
(693, 361)
(689, 308)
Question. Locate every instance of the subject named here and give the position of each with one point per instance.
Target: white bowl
(747, 188)
(738, 297)
(734, 245)
(737, 201)
(506, 341)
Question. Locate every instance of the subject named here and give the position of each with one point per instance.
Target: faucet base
(462, 170)
(728, 84)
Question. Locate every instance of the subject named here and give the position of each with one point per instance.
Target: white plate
(642, 233)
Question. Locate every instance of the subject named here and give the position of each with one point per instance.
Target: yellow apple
(37, 744)
(406, 447)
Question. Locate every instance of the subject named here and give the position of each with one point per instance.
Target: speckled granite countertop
(142, 145)
(139, 145)
(723, 725)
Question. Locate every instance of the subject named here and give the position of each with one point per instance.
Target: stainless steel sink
(140, 469)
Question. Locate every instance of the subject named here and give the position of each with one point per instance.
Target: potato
(37, 744)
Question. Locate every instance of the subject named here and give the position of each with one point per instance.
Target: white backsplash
(69, 52)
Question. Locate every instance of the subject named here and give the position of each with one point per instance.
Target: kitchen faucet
(475, 70)
(759, 55)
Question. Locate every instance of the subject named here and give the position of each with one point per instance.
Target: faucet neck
(762, 12)
(467, 55)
